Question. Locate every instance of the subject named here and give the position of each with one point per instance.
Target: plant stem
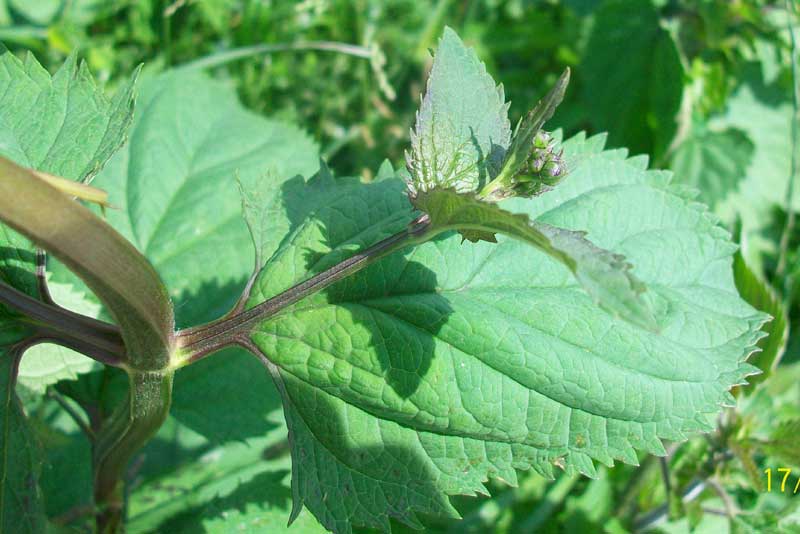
(72, 412)
(236, 54)
(201, 341)
(121, 277)
(96, 339)
(130, 427)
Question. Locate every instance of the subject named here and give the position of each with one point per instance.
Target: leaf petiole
(52, 323)
(198, 342)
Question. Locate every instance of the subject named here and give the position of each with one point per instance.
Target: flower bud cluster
(543, 170)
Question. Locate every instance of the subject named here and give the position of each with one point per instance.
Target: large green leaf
(434, 369)
(462, 129)
(632, 77)
(174, 183)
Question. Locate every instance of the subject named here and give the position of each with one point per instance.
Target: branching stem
(233, 329)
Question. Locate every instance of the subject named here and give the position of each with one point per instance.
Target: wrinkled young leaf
(462, 129)
(435, 368)
(453, 203)
(525, 133)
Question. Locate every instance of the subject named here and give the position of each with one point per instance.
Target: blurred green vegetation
(704, 87)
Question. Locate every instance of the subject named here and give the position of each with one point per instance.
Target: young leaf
(522, 144)
(63, 125)
(436, 368)
(604, 275)
(462, 129)
(464, 204)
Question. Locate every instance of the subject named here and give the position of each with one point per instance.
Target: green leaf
(64, 124)
(714, 162)
(604, 275)
(462, 129)
(438, 367)
(21, 503)
(632, 77)
(762, 297)
(42, 119)
(174, 183)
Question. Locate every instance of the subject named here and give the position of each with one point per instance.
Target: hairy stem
(129, 428)
(201, 341)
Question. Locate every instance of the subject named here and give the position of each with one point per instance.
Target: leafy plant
(512, 301)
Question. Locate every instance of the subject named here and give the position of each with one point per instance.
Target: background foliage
(704, 87)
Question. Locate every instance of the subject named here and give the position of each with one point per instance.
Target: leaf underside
(439, 367)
